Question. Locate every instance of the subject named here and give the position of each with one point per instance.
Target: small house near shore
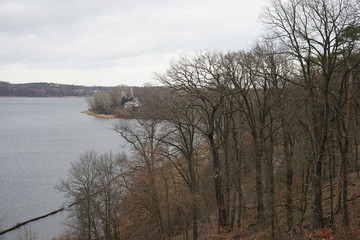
(133, 103)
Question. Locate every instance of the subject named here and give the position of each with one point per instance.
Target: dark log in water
(29, 221)
(56, 211)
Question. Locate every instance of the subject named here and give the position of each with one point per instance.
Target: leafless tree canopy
(262, 140)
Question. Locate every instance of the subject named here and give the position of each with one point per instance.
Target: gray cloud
(124, 38)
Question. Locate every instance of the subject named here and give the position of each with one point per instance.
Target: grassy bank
(91, 113)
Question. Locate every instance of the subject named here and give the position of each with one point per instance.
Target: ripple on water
(39, 138)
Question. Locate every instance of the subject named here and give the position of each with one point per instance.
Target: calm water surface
(39, 138)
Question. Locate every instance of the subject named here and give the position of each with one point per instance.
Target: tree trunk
(317, 212)
(356, 156)
(305, 171)
(288, 152)
(222, 216)
(258, 181)
(332, 172)
(270, 167)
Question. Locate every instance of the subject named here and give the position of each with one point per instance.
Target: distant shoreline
(106, 116)
(43, 97)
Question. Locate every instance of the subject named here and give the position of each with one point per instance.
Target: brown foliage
(323, 234)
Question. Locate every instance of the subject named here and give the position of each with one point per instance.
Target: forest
(46, 90)
(251, 144)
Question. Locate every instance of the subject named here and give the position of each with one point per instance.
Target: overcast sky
(113, 42)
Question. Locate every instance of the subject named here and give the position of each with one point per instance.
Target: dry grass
(91, 113)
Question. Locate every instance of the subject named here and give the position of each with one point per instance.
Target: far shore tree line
(259, 143)
(42, 89)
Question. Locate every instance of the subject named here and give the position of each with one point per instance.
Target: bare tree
(254, 100)
(184, 141)
(26, 233)
(79, 188)
(92, 194)
(100, 102)
(144, 138)
(200, 79)
(310, 31)
(109, 192)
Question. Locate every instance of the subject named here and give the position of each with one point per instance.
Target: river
(39, 138)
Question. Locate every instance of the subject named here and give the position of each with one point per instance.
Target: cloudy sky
(113, 42)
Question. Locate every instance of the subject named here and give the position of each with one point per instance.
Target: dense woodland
(251, 144)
